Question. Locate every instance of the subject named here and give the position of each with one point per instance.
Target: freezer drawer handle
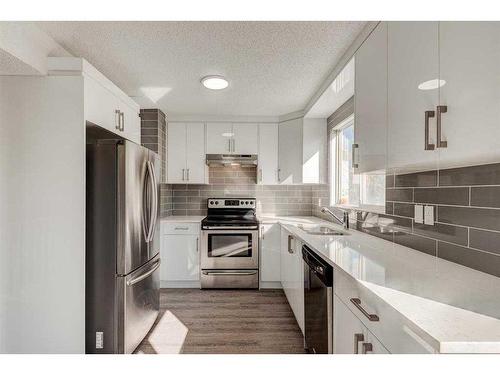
(144, 275)
(215, 273)
(371, 317)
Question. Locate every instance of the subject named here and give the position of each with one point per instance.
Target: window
(347, 188)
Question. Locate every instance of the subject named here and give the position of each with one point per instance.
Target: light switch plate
(419, 213)
(429, 215)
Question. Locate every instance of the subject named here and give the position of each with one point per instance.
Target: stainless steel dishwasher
(318, 303)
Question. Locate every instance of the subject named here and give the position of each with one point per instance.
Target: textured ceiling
(273, 68)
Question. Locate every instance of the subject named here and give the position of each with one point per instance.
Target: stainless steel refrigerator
(122, 245)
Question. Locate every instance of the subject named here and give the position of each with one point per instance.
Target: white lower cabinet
(180, 255)
(270, 270)
(292, 274)
(350, 336)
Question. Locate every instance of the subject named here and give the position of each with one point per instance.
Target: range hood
(231, 159)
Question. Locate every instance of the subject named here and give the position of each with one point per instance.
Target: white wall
(42, 215)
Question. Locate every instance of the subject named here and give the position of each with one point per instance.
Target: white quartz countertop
(182, 219)
(454, 309)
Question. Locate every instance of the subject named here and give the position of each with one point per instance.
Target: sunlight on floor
(168, 336)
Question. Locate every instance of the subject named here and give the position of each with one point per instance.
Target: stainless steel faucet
(345, 219)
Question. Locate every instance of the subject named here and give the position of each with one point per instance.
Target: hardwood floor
(223, 321)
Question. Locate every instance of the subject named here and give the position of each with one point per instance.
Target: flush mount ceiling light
(432, 84)
(214, 82)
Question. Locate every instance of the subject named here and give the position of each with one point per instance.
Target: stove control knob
(216, 202)
(211, 202)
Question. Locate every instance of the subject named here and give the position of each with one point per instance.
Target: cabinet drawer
(180, 228)
(390, 328)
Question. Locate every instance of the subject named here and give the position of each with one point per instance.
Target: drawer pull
(181, 228)
(371, 317)
(366, 347)
(358, 337)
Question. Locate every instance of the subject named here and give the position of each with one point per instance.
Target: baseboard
(180, 284)
(270, 285)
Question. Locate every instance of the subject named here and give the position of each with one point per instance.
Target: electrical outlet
(429, 215)
(419, 213)
(99, 340)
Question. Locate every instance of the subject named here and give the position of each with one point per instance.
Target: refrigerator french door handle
(154, 217)
(153, 200)
(145, 204)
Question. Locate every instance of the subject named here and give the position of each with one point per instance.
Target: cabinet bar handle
(353, 155)
(279, 178)
(183, 170)
(260, 175)
(440, 109)
(290, 238)
(366, 347)
(117, 119)
(371, 317)
(229, 145)
(428, 115)
(197, 244)
(181, 228)
(187, 174)
(358, 337)
(122, 118)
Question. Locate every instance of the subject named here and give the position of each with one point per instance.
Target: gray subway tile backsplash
(487, 218)
(419, 179)
(452, 196)
(399, 195)
(484, 240)
(443, 232)
(479, 260)
(487, 174)
(485, 196)
(420, 243)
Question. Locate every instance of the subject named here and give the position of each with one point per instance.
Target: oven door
(230, 249)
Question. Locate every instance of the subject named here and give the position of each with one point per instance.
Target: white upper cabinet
(219, 138)
(176, 153)
(130, 122)
(245, 139)
(469, 58)
(186, 153)
(227, 138)
(195, 153)
(105, 104)
(370, 130)
(268, 154)
(290, 152)
(413, 66)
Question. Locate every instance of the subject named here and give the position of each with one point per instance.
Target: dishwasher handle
(317, 266)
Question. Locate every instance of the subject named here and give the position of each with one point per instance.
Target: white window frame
(334, 171)
(335, 177)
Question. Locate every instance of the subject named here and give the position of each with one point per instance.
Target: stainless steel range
(230, 244)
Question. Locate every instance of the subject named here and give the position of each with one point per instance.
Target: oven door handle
(230, 228)
(234, 273)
